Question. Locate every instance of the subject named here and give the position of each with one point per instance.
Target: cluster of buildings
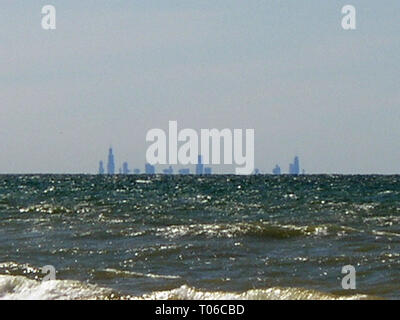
(148, 168)
(294, 168)
(200, 169)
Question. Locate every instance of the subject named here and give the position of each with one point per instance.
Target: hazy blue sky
(115, 69)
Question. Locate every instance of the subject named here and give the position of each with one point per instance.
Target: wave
(17, 269)
(110, 273)
(252, 229)
(22, 288)
(188, 293)
(45, 208)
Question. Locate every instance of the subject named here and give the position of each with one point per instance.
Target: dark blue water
(229, 234)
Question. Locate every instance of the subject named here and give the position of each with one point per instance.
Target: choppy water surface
(191, 237)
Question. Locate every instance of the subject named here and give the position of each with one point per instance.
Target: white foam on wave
(188, 293)
(21, 288)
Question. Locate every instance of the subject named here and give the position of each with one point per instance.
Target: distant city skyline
(199, 168)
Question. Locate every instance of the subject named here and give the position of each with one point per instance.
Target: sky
(113, 70)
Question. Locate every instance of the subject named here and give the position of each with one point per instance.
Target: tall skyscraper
(199, 165)
(276, 170)
(125, 168)
(294, 168)
(110, 164)
(296, 165)
(149, 169)
(101, 167)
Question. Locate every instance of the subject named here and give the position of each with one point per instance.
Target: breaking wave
(188, 293)
(22, 288)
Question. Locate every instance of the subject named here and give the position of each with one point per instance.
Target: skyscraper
(294, 168)
(296, 165)
(276, 170)
(125, 168)
(101, 167)
(110, 164)
(199, 165)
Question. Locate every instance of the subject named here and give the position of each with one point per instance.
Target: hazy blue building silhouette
(207, 170)
(101, 167)
(296, 165)
(276, 170)
(256, 171)
(168, 171)
(149, 169)
(184, 171)
(110, 164)
(199, 165)
(136, 171)
(125, 168)
(294, 168)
